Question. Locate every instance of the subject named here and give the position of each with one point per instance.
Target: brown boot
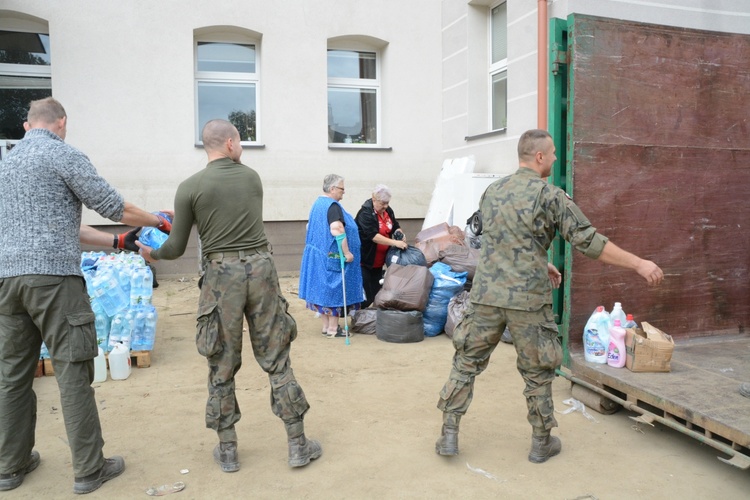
(447, 443)
(303, 450)
(544, 448)
(225, 454)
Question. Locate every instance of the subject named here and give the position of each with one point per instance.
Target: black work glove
(126, 241)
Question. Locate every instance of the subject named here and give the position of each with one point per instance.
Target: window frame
(36, 71)
(359, 84)
(496, 68)
(222, 77)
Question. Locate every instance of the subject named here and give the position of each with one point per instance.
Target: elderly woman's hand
(349, 256)
(400, 244)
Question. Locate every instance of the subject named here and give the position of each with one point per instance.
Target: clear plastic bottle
(618, 313)
(136, 282)
(616, 351)
(147, 287)
(630, 322)
(100, 367)
(149, 333)
(115, 332)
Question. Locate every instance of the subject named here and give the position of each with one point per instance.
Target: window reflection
(352, 116)
(234, 102)
(499, 100)
(24, 48)
(351, 64)
(226, 57)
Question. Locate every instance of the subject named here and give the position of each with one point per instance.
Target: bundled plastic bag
(431, 240)
(461, 258)
(400, 327)
(412, 256)
(405, 288)
(456, 309)
(446, 285)
(364, 320)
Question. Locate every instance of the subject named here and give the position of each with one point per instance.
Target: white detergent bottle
(100, 367)
(616, 351)
(618, 313)
(119, 362)
(596, 337)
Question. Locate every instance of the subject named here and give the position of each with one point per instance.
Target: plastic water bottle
(102, 323)
(123, 278)
(616, 351)
(147, 288)
(100, 367)
(136, 279)
(596, 337)
(139, 326)
(119, 362)
(107, 290)
(630, 322)
(153, 237)
(43, 353)
(128, 320)
(618, 313)
(149, 332)
(115, 332)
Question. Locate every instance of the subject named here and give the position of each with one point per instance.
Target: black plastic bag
(412, 256)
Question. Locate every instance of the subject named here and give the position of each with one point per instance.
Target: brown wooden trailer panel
(660, 163)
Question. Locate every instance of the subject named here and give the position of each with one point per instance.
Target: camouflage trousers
(538, 351)
(234, 288)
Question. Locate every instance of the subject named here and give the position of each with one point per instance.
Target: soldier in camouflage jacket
(512, 287)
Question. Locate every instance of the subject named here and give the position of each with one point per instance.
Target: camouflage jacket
(521, 214)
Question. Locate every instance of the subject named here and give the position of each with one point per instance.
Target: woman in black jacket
(377, 228)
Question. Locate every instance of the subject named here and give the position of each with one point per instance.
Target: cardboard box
(648, 349)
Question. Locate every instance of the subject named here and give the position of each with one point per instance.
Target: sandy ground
(373, 409)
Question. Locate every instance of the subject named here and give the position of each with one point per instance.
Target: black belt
(237, 253)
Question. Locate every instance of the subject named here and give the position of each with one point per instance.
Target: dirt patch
(373, 409)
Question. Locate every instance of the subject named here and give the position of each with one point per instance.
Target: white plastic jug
(119, 362)
(100, 367)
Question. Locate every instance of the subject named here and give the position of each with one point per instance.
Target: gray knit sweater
(43, 183)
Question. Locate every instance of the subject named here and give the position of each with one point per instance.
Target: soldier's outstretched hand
(555, 278)
(651, 272)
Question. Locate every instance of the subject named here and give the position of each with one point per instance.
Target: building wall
(465, 59)
(125, 73)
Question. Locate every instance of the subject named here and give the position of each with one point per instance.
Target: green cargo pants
(538, 352)
(235, 288)
(55, 309)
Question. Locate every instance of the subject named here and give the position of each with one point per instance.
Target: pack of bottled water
(120, 286)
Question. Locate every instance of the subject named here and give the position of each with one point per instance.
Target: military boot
(302, 450)
(447, 443)
(544, 448)
(225, 454)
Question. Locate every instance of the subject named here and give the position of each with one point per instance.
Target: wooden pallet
(139, 359)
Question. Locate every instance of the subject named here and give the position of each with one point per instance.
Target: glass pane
(499, 33)
(226, 57)
(234, 102)
(24, 48)
(351, 64)
(14, 107)
(352, 116)
(499, 100)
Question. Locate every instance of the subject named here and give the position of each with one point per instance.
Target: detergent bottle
(616, 351)
(596, 336)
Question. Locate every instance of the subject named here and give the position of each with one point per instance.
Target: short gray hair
(330, 181)
(381, 192)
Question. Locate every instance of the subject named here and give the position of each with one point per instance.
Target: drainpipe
(541, 89)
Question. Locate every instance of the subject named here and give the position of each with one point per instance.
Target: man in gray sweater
(43, 184)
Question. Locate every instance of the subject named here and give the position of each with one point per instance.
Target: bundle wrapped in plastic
(456, 309)
(445, 286)
(405, 288)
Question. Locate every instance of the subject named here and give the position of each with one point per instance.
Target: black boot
(447, 443)
(112, 468)
(544, 448)
(225, 454)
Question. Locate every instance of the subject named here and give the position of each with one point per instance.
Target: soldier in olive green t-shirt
(512, 287)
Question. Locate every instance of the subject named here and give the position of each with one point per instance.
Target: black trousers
(371, 283)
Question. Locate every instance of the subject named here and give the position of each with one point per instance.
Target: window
(499, 66)
(226, 80)
(25, 76)
(353, 97)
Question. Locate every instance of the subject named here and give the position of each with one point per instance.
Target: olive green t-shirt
(521, 214)
(225, 201)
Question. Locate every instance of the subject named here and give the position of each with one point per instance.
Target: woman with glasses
(322, 281)
(378, 231)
